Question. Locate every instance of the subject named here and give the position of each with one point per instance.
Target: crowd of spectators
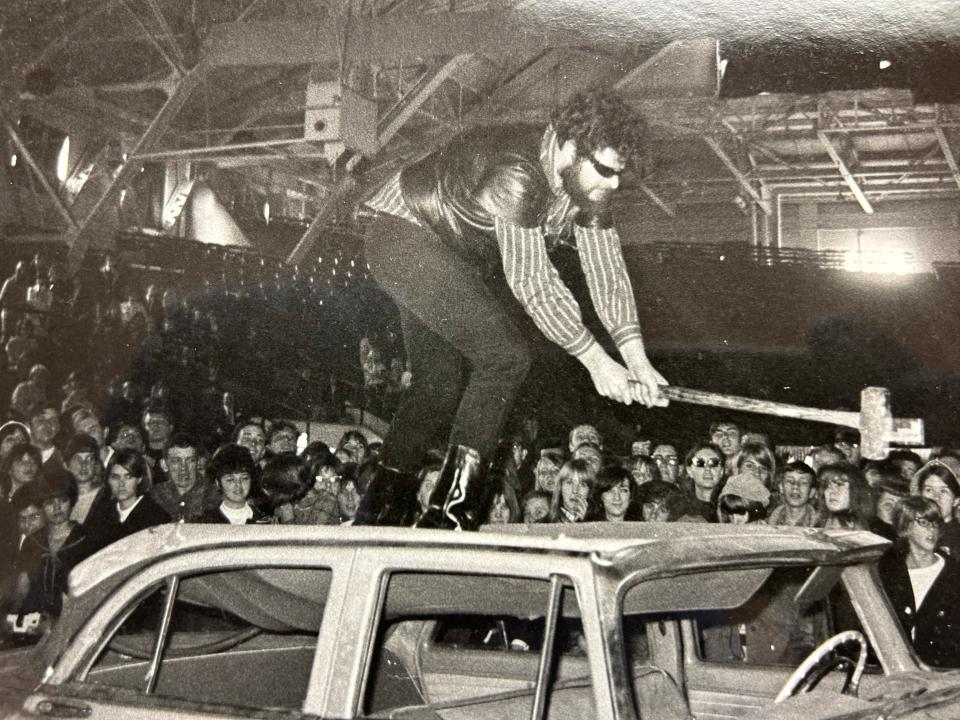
(87, 458)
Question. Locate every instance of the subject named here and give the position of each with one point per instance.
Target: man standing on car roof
(489, 203)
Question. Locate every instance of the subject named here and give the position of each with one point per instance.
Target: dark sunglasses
(705, 462)
(604, 170)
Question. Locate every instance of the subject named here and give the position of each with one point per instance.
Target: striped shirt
(534, 280)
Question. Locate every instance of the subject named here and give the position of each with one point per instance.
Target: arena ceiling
(320, 100)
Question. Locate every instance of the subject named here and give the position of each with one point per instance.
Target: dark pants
(448, 315)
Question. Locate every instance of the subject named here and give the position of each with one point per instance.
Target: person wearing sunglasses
(923, 585)
(449, 229)
(703, 472)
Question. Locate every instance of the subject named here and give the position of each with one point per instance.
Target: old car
(605, 621)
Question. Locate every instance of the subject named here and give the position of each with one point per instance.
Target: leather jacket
(484, 172)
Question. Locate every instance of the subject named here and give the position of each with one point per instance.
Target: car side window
(238, 638)
(772, 628)
(476, 641)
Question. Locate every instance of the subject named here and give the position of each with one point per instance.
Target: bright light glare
(890, 262)
(13, 160)
(63, 160)
(884, 64)
(265, 209)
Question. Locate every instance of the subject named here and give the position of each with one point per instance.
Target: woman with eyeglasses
(923, 585)
(702, 479)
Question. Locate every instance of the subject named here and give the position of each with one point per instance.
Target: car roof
(631, 545)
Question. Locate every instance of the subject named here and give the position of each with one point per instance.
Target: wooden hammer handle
(766, 407)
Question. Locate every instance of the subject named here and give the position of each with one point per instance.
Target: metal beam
(324, 216)
(668, 208)
(948, 153)
(79, 238)
(845, 172)
(737, 173)
(392, 39)
(41, 176)
(176, 66)
(414, 99)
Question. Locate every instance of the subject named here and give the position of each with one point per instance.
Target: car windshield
(758, 618)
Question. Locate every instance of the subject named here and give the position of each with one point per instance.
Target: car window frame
(490, 561)
(67, 675)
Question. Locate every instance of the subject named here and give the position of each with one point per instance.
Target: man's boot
(390, 498)
(460, 496)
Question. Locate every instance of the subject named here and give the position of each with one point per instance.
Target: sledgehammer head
(878, 428)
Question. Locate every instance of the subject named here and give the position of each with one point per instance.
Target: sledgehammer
(878, 428)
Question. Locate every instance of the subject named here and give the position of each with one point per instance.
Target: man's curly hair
(598, 119)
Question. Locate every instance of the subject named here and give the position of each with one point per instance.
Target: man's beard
(568, 176)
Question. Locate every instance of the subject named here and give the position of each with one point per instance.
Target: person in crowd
(12, 433)
(612, 496)
(546, 470)
(282, 437)
(427, 482)
(583, 433)
(660, 501)
(643, 469)
(21, 467)
(758, 460)
(924, 586)
(26, 511)
(234, 470)
(22, 347)
(726, 436)
(250, 434)
(352, 447)
(536, 506)
(285, 481)
(44, 429)
(890, 489)
(847, 441)
(668, 462)
(85, 421)
(825, 455)
(591, 453)
(744, 499)
(754, 436)
(797, 483)
(937, 481)
(503, 507)
(641, 445)
(702, 479)
(157, 423)
(132, 509)
(847, 500)
(351, 490)
(570, 498)
(187, 495)
(53, 553)
(82, 456)
(319, 505)
(906, 461)
(464, 225)
(30, 392)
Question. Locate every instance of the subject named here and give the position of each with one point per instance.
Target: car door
(234, 633)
